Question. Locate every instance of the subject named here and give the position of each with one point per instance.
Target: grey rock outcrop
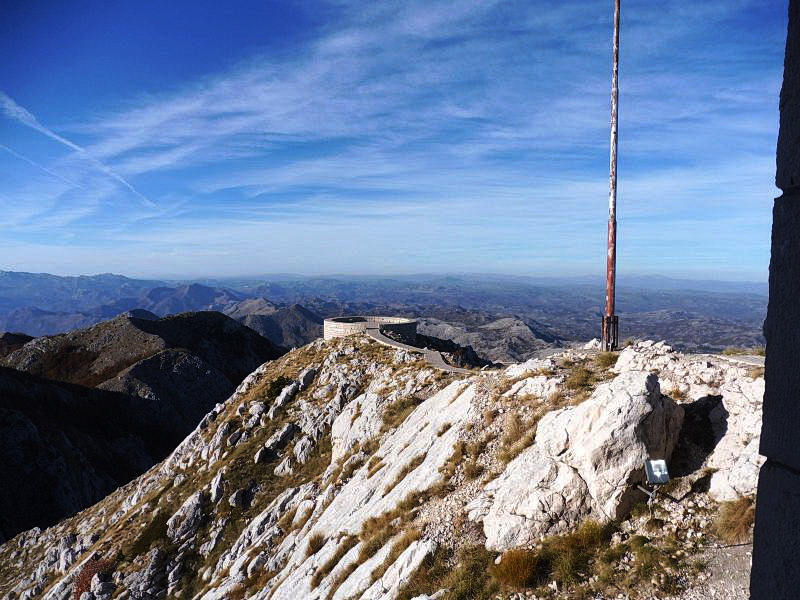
(584, 463)
(284, 397)
(733, 423)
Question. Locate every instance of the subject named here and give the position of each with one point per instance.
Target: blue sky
(201, 138)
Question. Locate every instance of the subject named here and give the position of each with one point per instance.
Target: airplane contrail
(39, 166)
(24, 116)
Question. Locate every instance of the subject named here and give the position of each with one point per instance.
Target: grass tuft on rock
(579, 378)
(315, 543)
(735, 521)
(347, 544)
(606, 360)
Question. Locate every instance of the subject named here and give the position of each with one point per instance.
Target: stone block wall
(399, 328)
(776, 546)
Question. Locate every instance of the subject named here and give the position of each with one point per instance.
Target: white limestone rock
(736, 457)
(344, 511)
(286, 396)
(216, 487)
(184, 523)
(306, 377)
(584, 462)
(280, 438)
(539, 386)
(736, 422)
(285, 467)
(528, 368)
(302, 449)
(359, 421)
(399, 573)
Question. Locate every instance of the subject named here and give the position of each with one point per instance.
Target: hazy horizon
(624, 279)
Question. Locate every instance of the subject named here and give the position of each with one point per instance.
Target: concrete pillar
(776, 547)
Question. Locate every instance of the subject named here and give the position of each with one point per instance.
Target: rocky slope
(348, 470)
(104, 353)
(155, 379)
(508, 339)
(12, 341)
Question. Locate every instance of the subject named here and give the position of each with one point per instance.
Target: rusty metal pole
(610, 324)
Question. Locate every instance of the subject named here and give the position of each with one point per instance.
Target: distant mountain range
(502, 317)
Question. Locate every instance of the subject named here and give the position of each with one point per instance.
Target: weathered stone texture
(788, 160)
(776, 547)
(781, 421)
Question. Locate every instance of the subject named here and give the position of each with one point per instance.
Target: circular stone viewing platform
(399, 328)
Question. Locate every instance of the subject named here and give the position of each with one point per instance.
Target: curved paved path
(434, 358)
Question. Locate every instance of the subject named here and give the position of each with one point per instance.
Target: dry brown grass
(92, 567)
(370, 446)
(465, 576)
(755, 372)
(315, 543)
(285, 522)
(579, 377)
(734, 524)
(557, 399)
(605, 360)
(472, 469)
(443, 429)
(397, 411)
(544, 372)
(374, 465)
(349, 468)
(566, 559)
(513, 428)
(677, 394)
(448, 469)
(517, 436)
(518, 568)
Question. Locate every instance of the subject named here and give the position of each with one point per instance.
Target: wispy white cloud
(453, 122)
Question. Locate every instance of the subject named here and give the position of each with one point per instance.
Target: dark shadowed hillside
(156, 377)
(66, 446)
(290, 327)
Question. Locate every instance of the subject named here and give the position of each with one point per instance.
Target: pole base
(610, 327)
